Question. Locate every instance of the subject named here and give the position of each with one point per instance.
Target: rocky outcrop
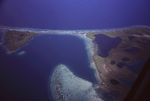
(65, 86)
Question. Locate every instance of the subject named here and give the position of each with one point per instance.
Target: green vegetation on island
(135, 46)
(14, 39)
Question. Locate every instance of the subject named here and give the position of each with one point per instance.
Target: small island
(14, 39)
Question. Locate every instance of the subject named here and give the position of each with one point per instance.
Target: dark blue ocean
(26, 77)
(74, 14)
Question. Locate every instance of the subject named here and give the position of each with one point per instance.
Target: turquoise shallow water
(26, 77)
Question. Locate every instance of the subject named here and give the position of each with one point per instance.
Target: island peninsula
(14, 39)
(117, 55)
(123, 63)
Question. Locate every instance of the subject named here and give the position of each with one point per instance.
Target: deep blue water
(121, 64)
(25, 77)
(1, 36)
(131, 38)
(132, 50)
(105, 44)
(128, 82)
(137, 66)
(74, 14)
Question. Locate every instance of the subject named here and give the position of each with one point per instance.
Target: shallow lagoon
(28, 74)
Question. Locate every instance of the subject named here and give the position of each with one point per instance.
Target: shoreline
(39, 30)
(91, 51)
(91, 48)
(69, 87)
(80, 34)
(89, 44)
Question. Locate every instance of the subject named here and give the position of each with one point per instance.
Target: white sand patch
(144, 35)
(148, 36)
(21, 53)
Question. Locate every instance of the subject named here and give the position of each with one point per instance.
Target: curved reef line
(65, 86)
(77, 33)
(96, 63)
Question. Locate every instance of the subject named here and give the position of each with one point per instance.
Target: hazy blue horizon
(74, 14)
